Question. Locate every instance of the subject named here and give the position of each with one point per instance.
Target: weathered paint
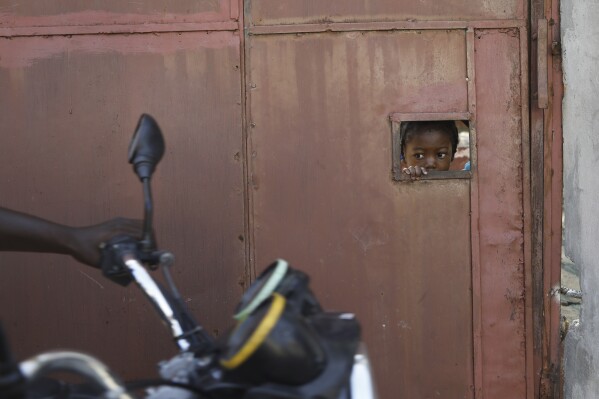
(321, 79)
(546, 191)
(21, 53)
(537, 200)
(413, 25)
(474, 218)
(531, 387)
(274, 12)
(14, 13)
(323, 196)
(554, 179)
(499, 127)
(66, 123)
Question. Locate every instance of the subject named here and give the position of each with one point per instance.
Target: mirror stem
(148, 233)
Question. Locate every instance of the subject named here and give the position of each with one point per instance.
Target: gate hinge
(556, 48)
(550, 383)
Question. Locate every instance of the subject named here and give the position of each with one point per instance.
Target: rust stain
(110, 12)
(320, 104)
(501, 225)
(271, 12)
(81, 96)
(24, 52)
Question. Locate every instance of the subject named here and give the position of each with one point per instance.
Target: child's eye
(441, 155)
(419, 156)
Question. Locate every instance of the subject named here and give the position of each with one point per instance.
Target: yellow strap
(264, 328)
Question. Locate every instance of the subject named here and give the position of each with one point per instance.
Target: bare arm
(25, 233)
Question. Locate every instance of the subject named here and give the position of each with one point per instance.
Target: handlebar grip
(111, 261)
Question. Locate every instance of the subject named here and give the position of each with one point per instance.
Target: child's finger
(419, 171)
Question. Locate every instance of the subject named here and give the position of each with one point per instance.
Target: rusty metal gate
(279, 119)
(436, 269)
(75, 77)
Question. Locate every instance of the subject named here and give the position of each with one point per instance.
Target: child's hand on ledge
(414, 172)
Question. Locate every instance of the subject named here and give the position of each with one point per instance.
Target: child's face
(429, 148)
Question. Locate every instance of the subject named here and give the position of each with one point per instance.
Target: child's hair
(408, 129)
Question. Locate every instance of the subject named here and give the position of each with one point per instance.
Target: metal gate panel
(68, 109)
(323, 195)
(320, 186)
(283, 12)
(501, 222)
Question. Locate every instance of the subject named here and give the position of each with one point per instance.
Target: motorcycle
(283, 345)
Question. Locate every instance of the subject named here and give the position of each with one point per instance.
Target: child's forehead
(429, 138)
(428, 133)
(424, 127)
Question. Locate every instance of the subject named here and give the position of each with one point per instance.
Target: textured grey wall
(580, 41)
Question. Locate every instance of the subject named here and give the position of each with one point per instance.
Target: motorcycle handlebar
(153, 292)
(123, 260)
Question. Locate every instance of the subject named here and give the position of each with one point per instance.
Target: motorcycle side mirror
(146, 148)
(145, 151)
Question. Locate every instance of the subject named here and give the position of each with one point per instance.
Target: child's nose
(431, 163)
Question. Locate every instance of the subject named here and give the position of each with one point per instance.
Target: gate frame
(542, 159)
(542, 179)
(546, 157)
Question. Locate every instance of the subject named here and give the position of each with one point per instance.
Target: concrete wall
(580, 41)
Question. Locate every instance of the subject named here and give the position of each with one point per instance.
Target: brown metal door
(435, 270)
(438, 272)
(74, 79)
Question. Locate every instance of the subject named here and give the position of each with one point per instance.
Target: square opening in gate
(424, 149)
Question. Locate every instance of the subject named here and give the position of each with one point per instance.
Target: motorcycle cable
(200, 340)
